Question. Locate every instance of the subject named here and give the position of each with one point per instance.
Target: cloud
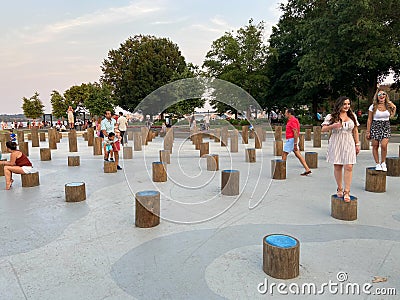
(216, 25)
(111, 15)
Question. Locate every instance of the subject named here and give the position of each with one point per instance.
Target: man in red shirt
(292, 139)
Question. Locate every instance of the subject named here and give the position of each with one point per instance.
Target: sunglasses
(381, 94)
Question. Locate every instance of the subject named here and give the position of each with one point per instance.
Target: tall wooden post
(35, 137)
(52, 138)
(72, 141)
(245, 134)
(317, 136)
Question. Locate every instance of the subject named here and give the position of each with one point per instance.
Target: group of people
(344, 143)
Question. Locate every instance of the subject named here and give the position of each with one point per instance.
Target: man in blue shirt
(107, 126)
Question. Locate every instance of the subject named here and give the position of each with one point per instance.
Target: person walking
(292, 139)
(122, 123)
(378, 126)
(343, 144)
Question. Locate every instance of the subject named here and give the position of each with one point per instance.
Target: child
(109, 143)
(117, 147)
(13, 136)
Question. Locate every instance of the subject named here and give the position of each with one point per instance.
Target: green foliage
(240, 59)
(59, 105)
(76, 95)
(98, 99)
(32, 107)
(244, 122)
(323, 49)
(139, 66)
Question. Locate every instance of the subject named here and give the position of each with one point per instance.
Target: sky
(52, 45)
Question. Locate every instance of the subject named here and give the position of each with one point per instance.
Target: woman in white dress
(70, 114)
(343, 144)
(378, 126)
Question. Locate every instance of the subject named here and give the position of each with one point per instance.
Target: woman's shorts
(380, 130)
(27, 169)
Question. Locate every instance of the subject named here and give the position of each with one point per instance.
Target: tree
(240, 59)
(32, 107)
(59, 104)
(98, 99)
(323, 49)
(138, 67)
(76, 95)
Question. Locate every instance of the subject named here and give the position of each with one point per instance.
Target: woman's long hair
(376, 102)
(338, 107)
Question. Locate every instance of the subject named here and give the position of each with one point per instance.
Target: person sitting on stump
(19, 163)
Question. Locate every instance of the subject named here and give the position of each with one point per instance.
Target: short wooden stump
(278, 148)
(42, 136)
(311, 159)
(346, 211)
(45, 154)
(75, 192)
(147, 209)
(230, 182)
(24, 148)
(212, 162)
(165, 156)
(375, 180)
(74, 161)
(250, 155)
(278, 169)
(307, 135)
(2, 167)
(281, 256)
(127, 152)
(30, 180)
(159, 171)
(110, 167)
(393, 166)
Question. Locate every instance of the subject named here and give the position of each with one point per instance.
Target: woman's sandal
(346, 196)
(339, 192)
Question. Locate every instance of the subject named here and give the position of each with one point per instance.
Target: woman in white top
(70, 114)
(378, 126)
(343, 144)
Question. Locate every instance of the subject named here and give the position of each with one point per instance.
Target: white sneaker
(378, 167)
(384, 168)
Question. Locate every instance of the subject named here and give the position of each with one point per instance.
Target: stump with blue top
(281, 256)
(230, 182)
(341, 210)
(75, 192)
(278, 169)
(311, 159)
(159, 171)
(147, 209)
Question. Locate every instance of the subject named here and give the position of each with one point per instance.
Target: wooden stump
(317, 136)
(375, 180)
(58, 136)
(234, 141)
(35, 137)
(130, 134)
(224, 136)
(307, 135)
(393, 166)
(197, 140)
(169, 140)
(98, 146)
(20, 136)
(147, 209)
(204, 149)
(301, 142)
(212, 162)
(29, 137)
(278, 133)
(278, 148)
(42, 136)
(346, 211)
(137, 141)
(364, 141)
(230, 180)
(51, 133)
(250, 155)
(127, 152)
(159, 171)
(45, 154)
(3, 141)
(24, 148)
(72, 141)
(2, 167)
(258, 137)
(165, 156)
(90, 136)
(278, 169)
(281, 256)
(74, 161)
(110, 167)
(85, 137)
(30, 180)
(312, 159)
(217, 135)
(251, 134)
(149, 136)
(144, 131)
(245, 134)
(75, 191)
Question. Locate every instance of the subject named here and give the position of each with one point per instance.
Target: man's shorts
(289, 145)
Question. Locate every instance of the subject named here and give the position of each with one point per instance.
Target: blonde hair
(376, 102)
